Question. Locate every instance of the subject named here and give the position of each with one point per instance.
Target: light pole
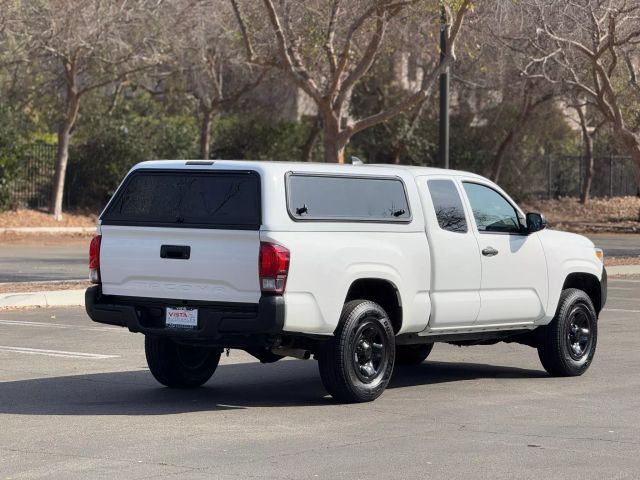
(444, 91)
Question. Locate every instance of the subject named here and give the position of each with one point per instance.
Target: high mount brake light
(94, 259)
(273, 268)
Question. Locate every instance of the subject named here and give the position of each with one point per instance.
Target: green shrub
(239, 137)
(13, 126)
(108, 146)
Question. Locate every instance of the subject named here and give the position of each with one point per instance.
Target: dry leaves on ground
(618, 214)
(34, 218)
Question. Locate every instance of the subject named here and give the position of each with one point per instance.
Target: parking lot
(76, 401)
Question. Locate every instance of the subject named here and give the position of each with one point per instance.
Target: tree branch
(293, 65)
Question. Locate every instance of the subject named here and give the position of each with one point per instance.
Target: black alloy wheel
(567, 345)
(357, 362)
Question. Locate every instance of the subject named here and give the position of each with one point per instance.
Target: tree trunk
(62, 154)
(334, 141)
(62, 158)
(312, 139)
(498, 159)
(587, 157)
(333, 149)
(205, 133)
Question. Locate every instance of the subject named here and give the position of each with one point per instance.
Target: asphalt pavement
(59, 259)
(67, 259)
(76, 401)
(617, 245)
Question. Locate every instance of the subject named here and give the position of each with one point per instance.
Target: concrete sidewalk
(53, 298)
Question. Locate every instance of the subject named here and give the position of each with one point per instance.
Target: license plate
(182, 317)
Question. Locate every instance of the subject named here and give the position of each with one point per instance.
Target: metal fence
(34, 179)
(614, 176)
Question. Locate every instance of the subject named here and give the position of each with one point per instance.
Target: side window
(448, 205)
(493, 213)
(333, 198)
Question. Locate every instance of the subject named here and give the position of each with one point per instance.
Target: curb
(47, 230)
(53, 298)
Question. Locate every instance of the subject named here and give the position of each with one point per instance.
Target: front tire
(357, 362)
(567, 345)
(180, 366)
(413, 354)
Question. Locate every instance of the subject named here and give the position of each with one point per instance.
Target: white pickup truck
(362, 266)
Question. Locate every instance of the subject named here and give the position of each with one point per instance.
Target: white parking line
(22, 323)
(55, 353)
(620, 310)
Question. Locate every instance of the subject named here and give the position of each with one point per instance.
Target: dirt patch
(40, 238)
(599, 215)
(24, 287)
(78, 240)
(36, 218)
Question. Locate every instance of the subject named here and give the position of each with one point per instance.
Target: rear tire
(568, 343)
(357, 362)
(413, 354)
(180, 366)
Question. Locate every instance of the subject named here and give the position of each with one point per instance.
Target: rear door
(183, 234)
(514, 285)
(455, 263)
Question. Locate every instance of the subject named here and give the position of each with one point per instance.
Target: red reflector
(273, 268)
(94, 259)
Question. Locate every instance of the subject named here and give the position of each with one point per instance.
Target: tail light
(94, 259)
(274, 267)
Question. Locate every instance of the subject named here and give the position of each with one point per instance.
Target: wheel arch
(588, 283)
(381, 291)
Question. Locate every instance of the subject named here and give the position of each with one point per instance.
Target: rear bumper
(217, 322)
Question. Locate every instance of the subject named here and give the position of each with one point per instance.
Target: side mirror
(535, 222)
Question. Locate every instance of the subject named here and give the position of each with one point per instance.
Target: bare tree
(210, 66)
(488, 79)
(588, 130)
(531, 99)
(80, 47)
(587, 46)
(326, 47)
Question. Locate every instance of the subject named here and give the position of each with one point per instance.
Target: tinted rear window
(447, 205)
(319, 197)
(187, 199)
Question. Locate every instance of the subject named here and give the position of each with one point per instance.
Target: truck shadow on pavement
(233, 386)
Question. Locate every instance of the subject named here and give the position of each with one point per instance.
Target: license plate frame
(181, 318)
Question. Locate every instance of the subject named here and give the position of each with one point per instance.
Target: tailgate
(183, 234)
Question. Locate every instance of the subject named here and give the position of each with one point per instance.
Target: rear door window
(187, 199)
(447, 205)
(342, 198)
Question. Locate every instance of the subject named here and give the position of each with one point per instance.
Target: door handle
(489, 252)
(177, 252)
